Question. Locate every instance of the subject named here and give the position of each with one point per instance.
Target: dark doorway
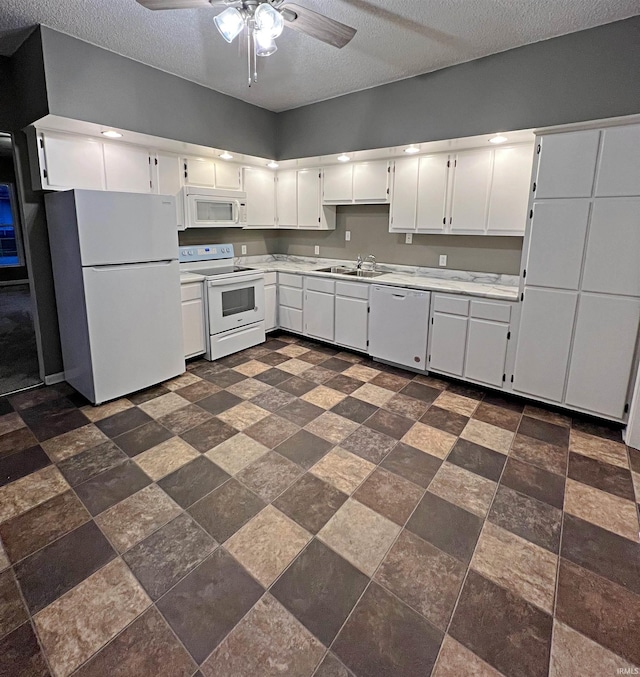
(19, 366)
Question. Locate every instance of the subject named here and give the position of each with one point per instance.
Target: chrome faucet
(359, 262)
(372, 260)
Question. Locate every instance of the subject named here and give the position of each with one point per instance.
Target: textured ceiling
(396, 39)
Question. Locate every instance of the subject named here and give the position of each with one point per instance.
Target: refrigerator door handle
(129, 266)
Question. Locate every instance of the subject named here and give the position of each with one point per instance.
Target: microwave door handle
(236, 211)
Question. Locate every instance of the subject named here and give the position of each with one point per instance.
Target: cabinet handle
(535, 185)
(444, 221)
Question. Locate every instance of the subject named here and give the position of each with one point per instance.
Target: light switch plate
(409, 238)
(347, 236)
(316, 250)
(443, 260)
(244, 250)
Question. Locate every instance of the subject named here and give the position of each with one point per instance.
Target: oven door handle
(236, 281)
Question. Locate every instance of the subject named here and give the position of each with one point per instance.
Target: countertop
(412, 280)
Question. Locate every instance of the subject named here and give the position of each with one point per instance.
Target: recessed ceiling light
(498, 138)
(273, 165)
(226, 155)
(343, 158)
(112, 134)
(412, 150)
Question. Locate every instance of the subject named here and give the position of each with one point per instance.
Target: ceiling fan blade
(317, 25)
(173, 4)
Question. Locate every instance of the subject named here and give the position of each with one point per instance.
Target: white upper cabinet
(200, 172)
(127, 168)
(404, 202)
(619, 172)
(470, 198)
(567, 164)
(260, 187)
(360, 183)
(338, 183)
(556, 243)
(371, 182)
(168, 179)
(510, 188)
(308, 197)
(432, 193)
(69, 161)
(287, 198)
(228, 175)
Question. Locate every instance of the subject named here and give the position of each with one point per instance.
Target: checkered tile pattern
(296, 510)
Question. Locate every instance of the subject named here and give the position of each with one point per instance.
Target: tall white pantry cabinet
(578, 336)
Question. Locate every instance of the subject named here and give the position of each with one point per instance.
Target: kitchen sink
(364, 273)
(336, 269)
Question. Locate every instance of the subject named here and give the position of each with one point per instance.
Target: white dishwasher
(399, 326)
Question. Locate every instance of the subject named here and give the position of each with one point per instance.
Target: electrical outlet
(443, 260)
(316, 250)
(347, 236)
(409, 238)
(244, 250)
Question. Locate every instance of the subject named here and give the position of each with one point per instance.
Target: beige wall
(369, 226)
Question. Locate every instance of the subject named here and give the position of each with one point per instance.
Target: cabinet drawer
(454, 305)
(352, 291)
(320, 284)
(292, 298)
(290, 318)
(290, 280)
(270, 278)
(484, 310)
(191, 291)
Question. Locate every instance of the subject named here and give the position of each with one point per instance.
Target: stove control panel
(205, 252)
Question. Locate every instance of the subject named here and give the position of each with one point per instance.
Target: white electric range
(234, 298)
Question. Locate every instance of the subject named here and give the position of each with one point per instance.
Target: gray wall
(89, 83)
(582, 76)
(257, 241)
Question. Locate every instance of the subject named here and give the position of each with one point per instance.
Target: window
(9, 249)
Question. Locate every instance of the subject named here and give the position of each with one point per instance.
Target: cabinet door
(469, 202)
(287, 199)
(260, 187)
(270, 307)
(602, 356)
(169, 174)
(338, 183)
(544, 342)
(308, 198)
(448, 343)
(228, 175)
(611, 265)
(193, 327)
(510, 188)
(371, 182)
(619, 172)
(352, 322)
(200, 172)
(404, 200)
(319, 315)
(567, 164)
(486, 351)
(556, 243)
(73, 162)
(432, 193)
(127, 168)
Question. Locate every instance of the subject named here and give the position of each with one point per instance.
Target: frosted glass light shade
(230, 23)
(265, 44)
(269, 21)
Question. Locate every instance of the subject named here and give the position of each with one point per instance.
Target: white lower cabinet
(290, 300)
(352, 315)
(193, 328)
(469, 338)
(319, 308)
(270, 301)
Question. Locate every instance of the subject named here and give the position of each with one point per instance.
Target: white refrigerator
(117, 286)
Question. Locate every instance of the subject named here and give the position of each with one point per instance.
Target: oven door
(235, 302)
(210, 212)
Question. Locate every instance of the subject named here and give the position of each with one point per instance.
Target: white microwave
(214, 208)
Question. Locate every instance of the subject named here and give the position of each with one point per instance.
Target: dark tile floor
(293, 510)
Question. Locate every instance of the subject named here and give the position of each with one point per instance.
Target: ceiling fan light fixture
(273, 164)
(230, 23)
(498, 138)
(412, 149)
(226, 155)
(269, 21)
(265, 44)
(343, 158)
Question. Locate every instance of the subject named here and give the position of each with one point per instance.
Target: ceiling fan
(263, 21)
